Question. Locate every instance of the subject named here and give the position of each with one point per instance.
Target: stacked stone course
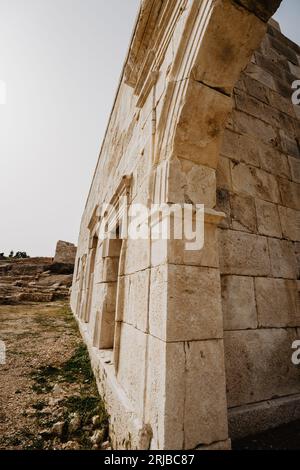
(258, 189)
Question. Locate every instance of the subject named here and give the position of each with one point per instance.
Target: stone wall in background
(258, 189)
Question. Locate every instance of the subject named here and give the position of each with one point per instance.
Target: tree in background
(18, 255)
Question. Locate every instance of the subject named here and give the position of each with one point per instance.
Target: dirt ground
(48, 396)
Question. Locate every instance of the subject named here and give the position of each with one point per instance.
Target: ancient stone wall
(150, 311)
(258, 188)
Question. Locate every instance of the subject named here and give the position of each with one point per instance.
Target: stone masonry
(193, 349)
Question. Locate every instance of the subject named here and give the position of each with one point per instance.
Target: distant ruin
(65, 253)
(38, 279)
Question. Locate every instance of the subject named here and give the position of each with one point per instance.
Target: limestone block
(135, 308)
(110, 268)
(137, 257)
(223, 205)
(254, 182)
(283, 49)
(281, 103)
(245, 124)
(256, 89)
(244, 254)
(132, 363)
(290, 193)
(223, 174)
(260, 75)
(205, 418)
(200, 127)
(154, 405)
(268, 222)
(191, 183)
(289, 144)
(283, 262)
(165, 378)
(294, 69)
(273, 161)
(243, 213)
(250, 105)
(229, 56)
(238, 303)
(104, 314)
(185, 303)
(263, 10)
(191, 376)
(175, 252)
(175, 390)
(290, 222)
(277, 302)
(258, 365)
(295, 169)
(240, 147)
(269, 65)
(65, 252)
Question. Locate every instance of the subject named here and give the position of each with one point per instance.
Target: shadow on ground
(285, 437)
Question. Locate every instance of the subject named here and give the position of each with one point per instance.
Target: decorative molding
(152, 37)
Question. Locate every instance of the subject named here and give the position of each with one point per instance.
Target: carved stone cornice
(152, 36)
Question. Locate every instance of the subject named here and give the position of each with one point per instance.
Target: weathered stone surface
(165, 375)
(238, 303)
(175, 252)
(201, 124)
(246, 124)
(290, 223)
(135, 307)
(264, 10)
(281, 103)
(244, 254)
(137, 256)
(254, 182)
(223, 174)
(243, 213)
(229, 57)
(191, 183)
(256, 89)
(283, 263)
(295, 169)
(186, 293)
(223, 205)
(240, 147)
(273, 161)
(277, 302)
(268, 222)
(259, 366)
(205, 400)
(289, 144)
(65, 252)
(257, 73)
(131, 368)
(290, 193)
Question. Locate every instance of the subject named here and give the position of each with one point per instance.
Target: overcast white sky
(61, 61)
